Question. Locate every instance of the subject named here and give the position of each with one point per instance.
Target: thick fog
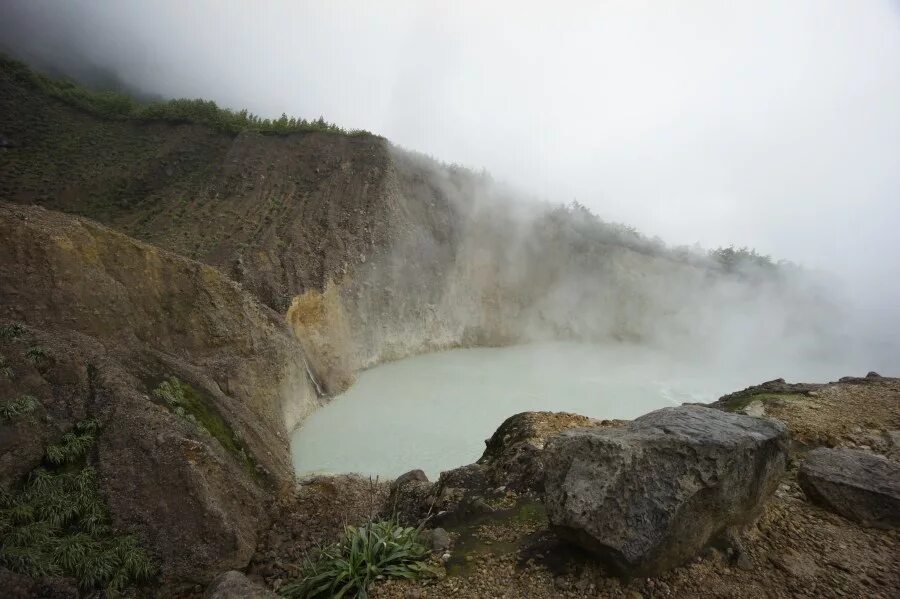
(774, 125)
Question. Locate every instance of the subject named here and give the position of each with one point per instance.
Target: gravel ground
(796, 549)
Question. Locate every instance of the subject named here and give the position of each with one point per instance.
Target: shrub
(732, 258)
(56, 525)
(25, 404)
(350, 567)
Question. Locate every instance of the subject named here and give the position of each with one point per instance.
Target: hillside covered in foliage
(111, 104)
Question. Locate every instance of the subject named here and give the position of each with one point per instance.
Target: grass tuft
(5, 369)
(37, 355)
(349, 567)
(74, 445)
(10, 410)
(57, 525)
(12, 331)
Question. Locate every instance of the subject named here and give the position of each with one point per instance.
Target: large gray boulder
(652, 494)
(856, 484)
(512, 458)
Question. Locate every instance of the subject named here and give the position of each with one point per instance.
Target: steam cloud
(774, 125)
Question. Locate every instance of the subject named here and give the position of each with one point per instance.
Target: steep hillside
(243, 202)
(383, 253)
(93, 324)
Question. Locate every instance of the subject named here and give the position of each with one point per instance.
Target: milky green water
(434, 411)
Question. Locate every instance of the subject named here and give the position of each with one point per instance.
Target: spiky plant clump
(21, 406)
(74, 445)
(37, 355)
(5, 369)
(56, 525)
(349, 567)
(12, 331)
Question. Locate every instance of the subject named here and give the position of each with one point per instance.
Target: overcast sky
(772, 124)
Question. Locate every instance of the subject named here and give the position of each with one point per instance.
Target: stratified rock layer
(856, 484)
(650, 495)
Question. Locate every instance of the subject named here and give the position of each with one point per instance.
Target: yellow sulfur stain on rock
(320, 324)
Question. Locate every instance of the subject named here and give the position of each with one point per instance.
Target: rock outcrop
(650, 495)
(856, 484)
(512, 456)
(511, 462)
(100, 321)
(234, 585)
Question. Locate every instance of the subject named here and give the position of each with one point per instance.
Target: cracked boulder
(652, 494)
(859, 485)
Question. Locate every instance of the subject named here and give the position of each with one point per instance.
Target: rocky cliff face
(111, 318)
(419, 255)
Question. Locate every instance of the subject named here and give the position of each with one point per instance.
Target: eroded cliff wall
(109, 318)
(418, 255)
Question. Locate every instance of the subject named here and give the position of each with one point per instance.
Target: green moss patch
(511, 529)
(192, 406)
(739, 403)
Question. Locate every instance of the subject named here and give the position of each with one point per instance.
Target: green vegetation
(114, 105)
(12, 331)
(5, 369)
(37, 355)
(189, 404)
(472, 538)
(74, 445)
(732, 258)
(350, 567)
(25, 404)
(175, 394)
(56, 525)
(742, 401)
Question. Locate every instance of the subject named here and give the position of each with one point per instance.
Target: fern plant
(5, 369)
(21, 406)
(57, 525)
(366, 553)
(74, 444)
